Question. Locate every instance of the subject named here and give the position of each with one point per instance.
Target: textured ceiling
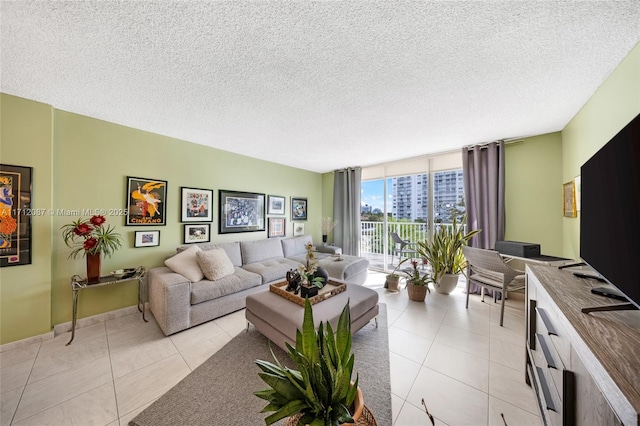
(319, 85)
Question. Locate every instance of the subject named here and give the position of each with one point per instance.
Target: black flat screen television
(610, 211)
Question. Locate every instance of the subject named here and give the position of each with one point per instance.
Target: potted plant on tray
(417, 283)
(445, 256)
(312, 277)
(320, 391)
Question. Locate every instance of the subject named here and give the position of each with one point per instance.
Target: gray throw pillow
(215, 264)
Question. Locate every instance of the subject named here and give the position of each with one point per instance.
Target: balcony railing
(372, 235)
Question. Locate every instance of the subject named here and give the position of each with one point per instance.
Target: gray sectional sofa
(178, 303)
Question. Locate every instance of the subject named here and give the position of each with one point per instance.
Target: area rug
(220, 391)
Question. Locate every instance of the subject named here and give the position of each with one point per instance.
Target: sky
(372, 193)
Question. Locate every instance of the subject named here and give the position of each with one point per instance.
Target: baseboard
(26, 342)
(65, 327)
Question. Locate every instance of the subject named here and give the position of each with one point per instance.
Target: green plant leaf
(291, 408)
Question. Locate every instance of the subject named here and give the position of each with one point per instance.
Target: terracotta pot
(358, 407)
(392, 283)
(417, 293)
(447, 283)
(93, 268)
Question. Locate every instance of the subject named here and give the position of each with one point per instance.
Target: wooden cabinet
(584, 368)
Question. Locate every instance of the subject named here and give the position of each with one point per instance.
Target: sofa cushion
(272, 269)
(295, 246)
(215, 264)
(232, 250)
(186, 263)
(258, 251)
(240, 280)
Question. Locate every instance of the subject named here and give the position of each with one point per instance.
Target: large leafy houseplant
(320, 390)
(444, 253)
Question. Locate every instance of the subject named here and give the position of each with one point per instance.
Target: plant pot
(308, 291)
(417, 293)
(392, 283)
(447, 283)
(361, 414)
(93, 268)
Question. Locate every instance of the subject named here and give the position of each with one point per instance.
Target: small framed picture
(196, 205)
(276, 205)
(277, 227)
(197, 233)
(298, 208)
(298, 229)
(569, 200)
(147, 239)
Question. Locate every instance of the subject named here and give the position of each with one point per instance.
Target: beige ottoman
(278, 318)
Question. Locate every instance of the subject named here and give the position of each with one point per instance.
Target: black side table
(78, 283)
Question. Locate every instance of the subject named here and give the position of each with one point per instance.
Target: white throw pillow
(215, 264)
(186, 263)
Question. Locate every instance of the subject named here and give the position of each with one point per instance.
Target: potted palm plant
(320, 392)
(444, 255)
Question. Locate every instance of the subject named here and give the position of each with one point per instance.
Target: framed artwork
(277, 227)
(298, 229)
(276, 205)
(298, 208)
(569, 200)
(197, 233)
(241, 212)
(15, 215)
(146, 202)
(196, 205)
(146, 239)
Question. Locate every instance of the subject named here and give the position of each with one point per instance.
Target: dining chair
(401, 247)
(489, 270)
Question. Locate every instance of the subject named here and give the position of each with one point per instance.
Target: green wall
(534, 192)
(612, 106)
(84, 166)
(25, 291)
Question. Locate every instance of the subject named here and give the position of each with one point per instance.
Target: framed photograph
(276, 205)
(147, 239)
(15, 215)
(277, 227)
(241, 212)
(569, 200)
(298, 229)
(196, 205)
(146, 202)
(197, 233)
(298, 208)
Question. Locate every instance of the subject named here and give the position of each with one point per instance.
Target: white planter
(447, 283)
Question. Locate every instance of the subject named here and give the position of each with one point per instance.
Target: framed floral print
(196, 205)
(146, 202)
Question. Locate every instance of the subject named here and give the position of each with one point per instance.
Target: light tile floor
(468, 369)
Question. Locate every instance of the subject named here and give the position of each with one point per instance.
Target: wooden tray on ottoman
(330, 289)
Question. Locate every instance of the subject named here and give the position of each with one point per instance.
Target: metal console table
(78, 283)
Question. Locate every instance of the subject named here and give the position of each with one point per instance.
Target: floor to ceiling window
(408, 204)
